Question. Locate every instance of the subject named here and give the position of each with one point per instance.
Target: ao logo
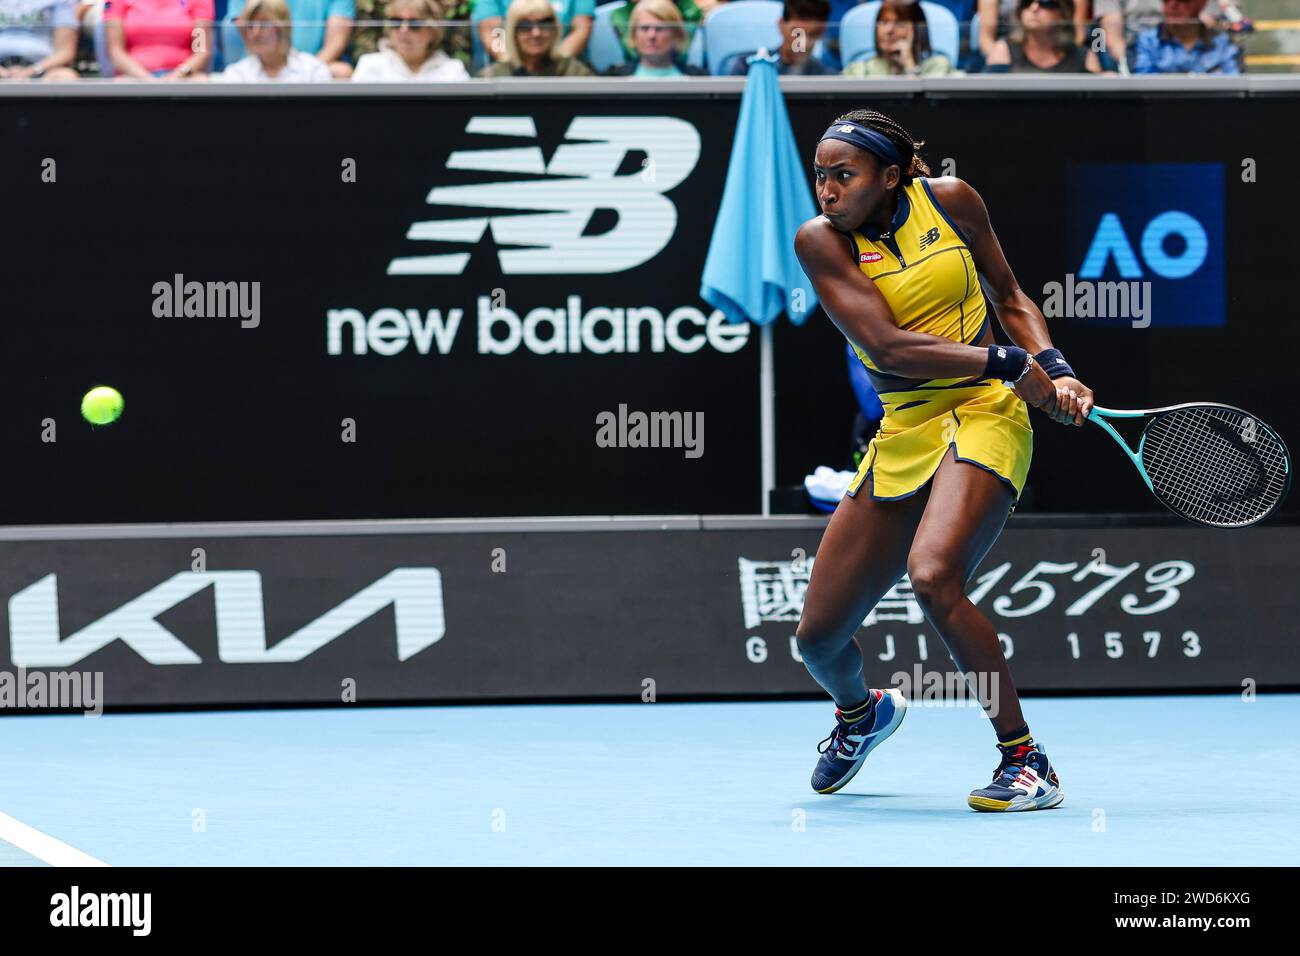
(1110, 240)
(584, 179)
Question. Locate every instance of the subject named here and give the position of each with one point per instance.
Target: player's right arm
(860, 311)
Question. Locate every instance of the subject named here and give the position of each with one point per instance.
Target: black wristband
(1006, 362)
(1054, 363)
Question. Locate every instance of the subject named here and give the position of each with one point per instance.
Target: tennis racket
(1212, 464)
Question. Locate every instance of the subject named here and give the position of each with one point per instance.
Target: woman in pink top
(167, 39)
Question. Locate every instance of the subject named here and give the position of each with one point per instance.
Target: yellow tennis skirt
(986, 424)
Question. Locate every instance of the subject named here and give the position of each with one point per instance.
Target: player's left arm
(1016, 312)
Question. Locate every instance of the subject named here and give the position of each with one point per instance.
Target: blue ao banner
(1145, 246)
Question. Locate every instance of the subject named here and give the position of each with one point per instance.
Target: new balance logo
(930, 237)
(551, 236)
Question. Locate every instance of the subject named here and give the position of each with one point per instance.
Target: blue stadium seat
(101, 49)
(963, 10)
(228, 38)
(478, 57)
(218, 61)
(695, 52)
(858, 31)
(605, 48)
(739, 28)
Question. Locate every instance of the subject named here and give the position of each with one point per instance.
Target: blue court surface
(1189, 780)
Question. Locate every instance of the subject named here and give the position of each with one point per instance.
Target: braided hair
(909, 149)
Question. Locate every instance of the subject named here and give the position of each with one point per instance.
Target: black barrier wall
(424, 306)
(637, 610)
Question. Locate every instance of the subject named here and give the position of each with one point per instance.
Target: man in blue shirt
(576, 18)
(1183, 44)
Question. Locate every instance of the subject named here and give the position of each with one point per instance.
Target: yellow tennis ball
(102, 405)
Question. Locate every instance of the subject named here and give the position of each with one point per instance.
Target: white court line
(43, 846)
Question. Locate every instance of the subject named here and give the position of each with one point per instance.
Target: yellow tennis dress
(923, 267)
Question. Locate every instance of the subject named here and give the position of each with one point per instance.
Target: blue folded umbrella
(751, 273)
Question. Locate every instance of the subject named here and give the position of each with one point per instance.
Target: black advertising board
(421, 306)
(682, 608)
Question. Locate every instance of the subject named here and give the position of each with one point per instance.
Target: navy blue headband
(866, 138)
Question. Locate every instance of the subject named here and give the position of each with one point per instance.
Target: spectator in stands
(902, 45)
(802, 24)
(1119, 16)
(159, 39)
(1043, 42)
(998, 18)
(622, 19)
(457, 41)
(659, 33)
(412, 52)
(321, 28)
(831, 45)
(533, 46)
(38, 39)
(1184, 44)
(575, 19)
(265, 27)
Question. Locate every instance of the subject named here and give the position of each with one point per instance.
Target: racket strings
(1215, 465)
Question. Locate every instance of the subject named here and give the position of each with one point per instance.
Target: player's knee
(935, 582)
(816, 639)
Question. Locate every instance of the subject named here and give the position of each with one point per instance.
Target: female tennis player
(894, 258)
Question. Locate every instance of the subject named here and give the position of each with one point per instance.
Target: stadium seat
(605, 48)
(858, 31)
(219, 10)
(101, 50)
(963, 10)
(478, 56)
(228, 38)
(695, 52)
(739, 28)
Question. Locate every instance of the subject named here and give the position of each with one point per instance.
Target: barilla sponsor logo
(870, 257)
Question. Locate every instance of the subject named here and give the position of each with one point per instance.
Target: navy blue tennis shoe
(1024, 780)
(846, 749)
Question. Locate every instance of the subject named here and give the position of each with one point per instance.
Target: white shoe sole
(1048, 800)
(900, 711)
